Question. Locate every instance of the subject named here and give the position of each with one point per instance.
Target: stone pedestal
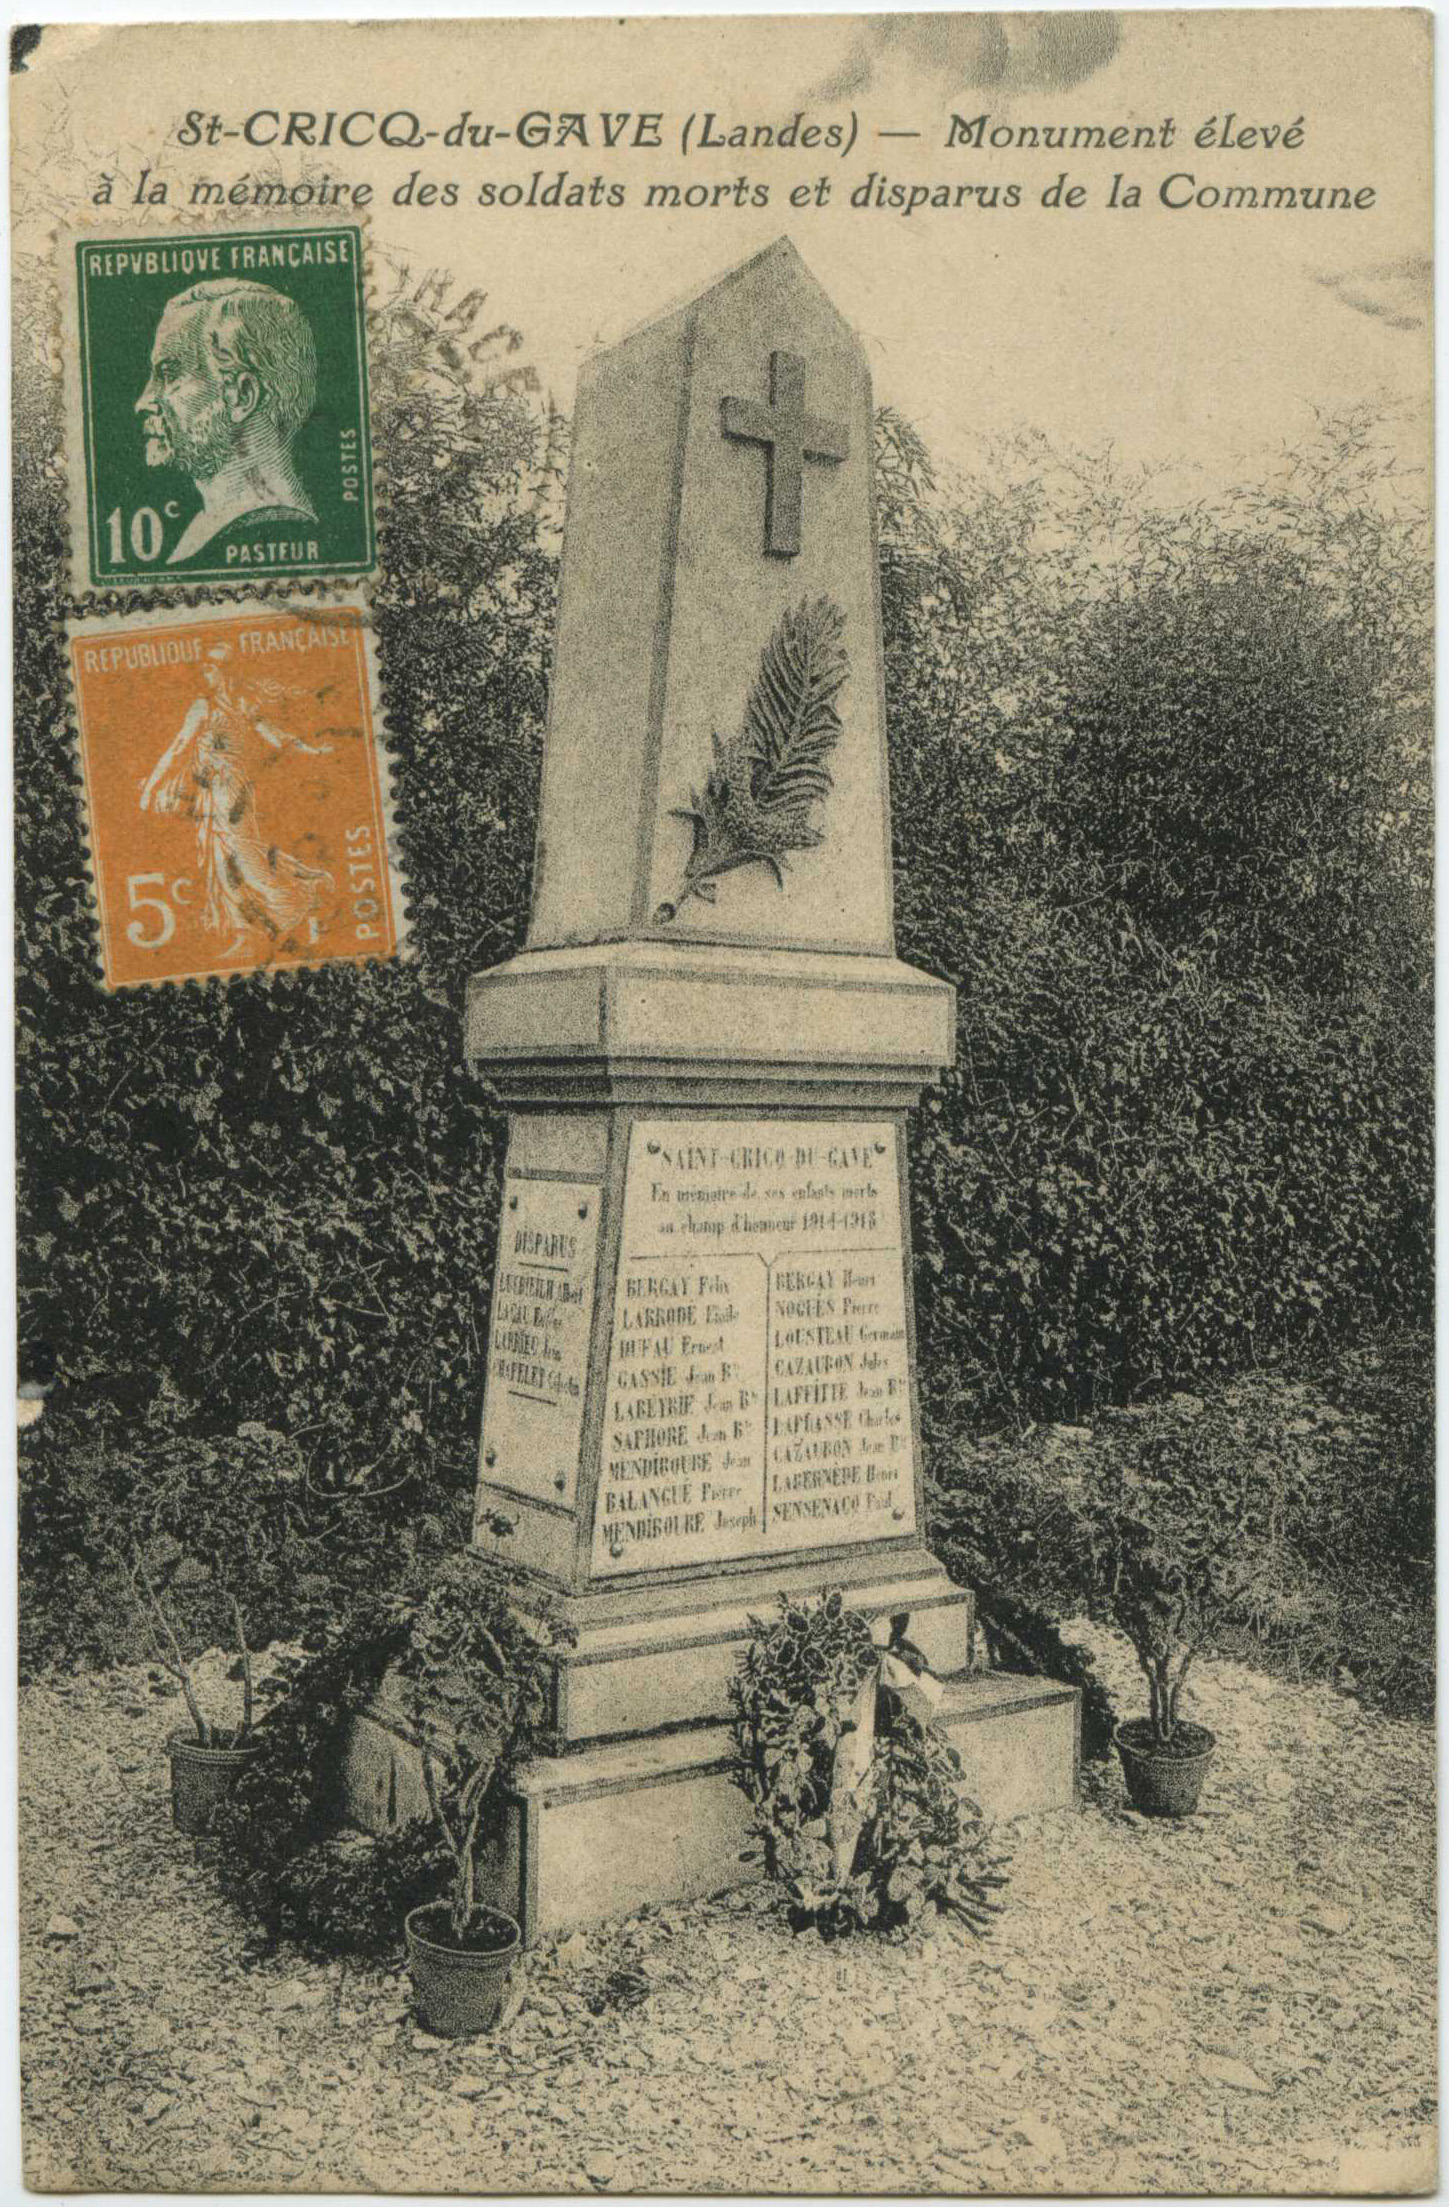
(700, 1385)
(701, 1364)
(604, 1829)
(703, 1290)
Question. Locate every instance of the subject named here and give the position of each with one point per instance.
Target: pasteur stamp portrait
(236, 791)
(217, 408)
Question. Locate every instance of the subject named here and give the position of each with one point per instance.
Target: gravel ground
(1239, 2003)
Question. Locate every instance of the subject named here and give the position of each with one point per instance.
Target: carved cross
(790, 437)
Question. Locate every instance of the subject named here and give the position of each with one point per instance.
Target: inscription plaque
(758, 1397)
(538, 1340)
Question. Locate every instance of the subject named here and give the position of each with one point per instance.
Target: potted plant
(476, 1674)
(210, 1534)
(1185, 1530)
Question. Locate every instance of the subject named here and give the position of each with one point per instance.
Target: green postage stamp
(217, 406)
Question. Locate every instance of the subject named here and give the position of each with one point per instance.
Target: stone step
(638, 1673)
(640, 1664)
(596, 1833)
(1019, 1739)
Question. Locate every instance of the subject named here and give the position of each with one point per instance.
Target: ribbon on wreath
(920, 1693)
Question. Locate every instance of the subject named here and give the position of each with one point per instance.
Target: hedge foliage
(277, 1200)
(1160, 786)
(1343, 1590)
(1166, 774)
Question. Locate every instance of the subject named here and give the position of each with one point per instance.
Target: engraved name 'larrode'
(758, 1393)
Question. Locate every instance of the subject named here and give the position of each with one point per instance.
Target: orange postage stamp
(236, 788)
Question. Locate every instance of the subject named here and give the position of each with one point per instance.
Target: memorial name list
(758, 1397)
(538, 1344)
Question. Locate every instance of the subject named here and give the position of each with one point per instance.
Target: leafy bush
(1161, 785)
(1329, 1545)
(473, 1669)
(868, 1847)
(476, 1673)
(212, 1528)
(115, 1500)
(1184, 1532)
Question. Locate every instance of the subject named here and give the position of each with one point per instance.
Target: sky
(1197, 340)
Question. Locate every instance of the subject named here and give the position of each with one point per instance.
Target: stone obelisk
(700, 1369)
(700, 1383)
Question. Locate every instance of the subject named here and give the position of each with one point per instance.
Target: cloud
(1396, 293)
(958, 53)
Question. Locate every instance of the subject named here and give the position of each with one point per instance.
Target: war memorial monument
(700, 1381)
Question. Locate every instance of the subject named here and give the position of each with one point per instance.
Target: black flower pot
(459, 1989)
(202, 1777)
(1164, 1780)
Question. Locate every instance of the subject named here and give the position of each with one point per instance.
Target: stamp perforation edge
(209, 227)
(135, 619)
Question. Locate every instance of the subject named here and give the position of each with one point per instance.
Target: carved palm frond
(765, 781)
(791, 725)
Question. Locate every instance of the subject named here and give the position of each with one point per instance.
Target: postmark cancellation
(236, 790)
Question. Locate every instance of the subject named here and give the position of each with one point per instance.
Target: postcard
(724, 1067)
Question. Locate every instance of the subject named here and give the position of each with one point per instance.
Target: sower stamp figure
(250, 883)
(237, 818)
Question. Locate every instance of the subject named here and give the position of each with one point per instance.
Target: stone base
(598, 1832)
(656, 1660)
(641, 1661)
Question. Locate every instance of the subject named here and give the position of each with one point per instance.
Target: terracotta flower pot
(202, 1777)
(459, 1989)
(1164, 1781)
